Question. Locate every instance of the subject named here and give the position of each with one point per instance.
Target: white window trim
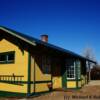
(74, 73)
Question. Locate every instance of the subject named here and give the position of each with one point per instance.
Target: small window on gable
(7, 57)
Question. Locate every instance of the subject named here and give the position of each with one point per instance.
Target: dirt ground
(86, 93)
(89, 92)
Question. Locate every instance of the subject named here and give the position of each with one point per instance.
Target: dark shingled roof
(34, 41)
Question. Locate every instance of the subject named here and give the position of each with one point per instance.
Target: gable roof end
(18, 36)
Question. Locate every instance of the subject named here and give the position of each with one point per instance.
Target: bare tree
(89, 54)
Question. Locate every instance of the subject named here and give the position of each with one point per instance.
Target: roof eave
(45, 44)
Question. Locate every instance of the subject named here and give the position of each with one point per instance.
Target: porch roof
(33, 41)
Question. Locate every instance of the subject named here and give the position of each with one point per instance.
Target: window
(7, 57)
(46, 64)
(70, 67)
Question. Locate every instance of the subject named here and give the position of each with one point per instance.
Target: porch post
(76, 72)
(89, 71)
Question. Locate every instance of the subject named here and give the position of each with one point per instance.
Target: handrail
(11, 78)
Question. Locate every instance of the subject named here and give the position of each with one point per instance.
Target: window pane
(72, 76)
(68, 76)
(2, 58)
(68, 72)
(10, 57)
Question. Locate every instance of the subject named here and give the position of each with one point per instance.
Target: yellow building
(29, 66)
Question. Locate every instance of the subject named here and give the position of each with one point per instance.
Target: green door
(64, 80)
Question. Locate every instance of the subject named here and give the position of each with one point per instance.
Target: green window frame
(7, 57)
(78, 69)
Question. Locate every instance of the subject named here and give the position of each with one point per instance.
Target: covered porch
(57, 68)
(68, 73)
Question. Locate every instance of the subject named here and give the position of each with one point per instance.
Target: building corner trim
(29, 75)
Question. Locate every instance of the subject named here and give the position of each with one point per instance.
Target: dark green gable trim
(29, 74)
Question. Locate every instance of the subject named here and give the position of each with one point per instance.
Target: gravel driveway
(93, 82)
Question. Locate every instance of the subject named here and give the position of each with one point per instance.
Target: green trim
(73, 79)
(25, 82)
(64, 79)
(29, 73)
(48, 81)
(11, 94)
(77, 77)
(76, 71)
(14, 82)
(5, 62)
(51, 77)
(16, 94)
